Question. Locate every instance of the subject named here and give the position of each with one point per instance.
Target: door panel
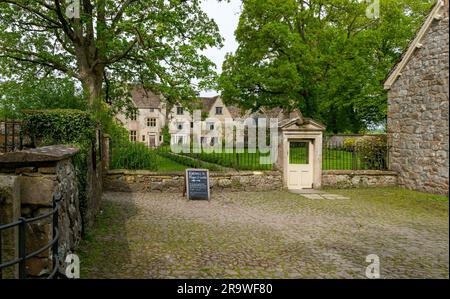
(152, 140)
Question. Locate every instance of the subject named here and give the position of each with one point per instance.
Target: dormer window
(180, 110)
(219, 110)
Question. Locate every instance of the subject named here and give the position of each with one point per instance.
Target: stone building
(152, 116)
(418, 99)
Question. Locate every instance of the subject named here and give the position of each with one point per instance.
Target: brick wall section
(418, 128)
(144, 181)
(358, 178)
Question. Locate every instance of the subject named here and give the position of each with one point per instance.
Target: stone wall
(29, 180)
(144, 181)
(358, 178)
(418, 111)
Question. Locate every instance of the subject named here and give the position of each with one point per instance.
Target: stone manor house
(147, 125)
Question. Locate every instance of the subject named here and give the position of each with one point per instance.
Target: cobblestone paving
(267, 235)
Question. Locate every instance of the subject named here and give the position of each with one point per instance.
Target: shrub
(349, 144)
(372, 151)
(166, 135)
(65, 126)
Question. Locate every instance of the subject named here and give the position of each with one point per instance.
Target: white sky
(226, 16)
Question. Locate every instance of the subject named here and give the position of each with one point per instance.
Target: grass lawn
(138, 156)
(167, 165)
(242, 161)
(269, 235)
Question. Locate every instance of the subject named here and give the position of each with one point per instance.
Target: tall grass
(133, 156)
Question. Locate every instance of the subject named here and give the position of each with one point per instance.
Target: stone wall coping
(51, 153)
(182, 173)
(359, 172)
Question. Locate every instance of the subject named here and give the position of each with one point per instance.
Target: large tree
(326, 57)
(109, 44)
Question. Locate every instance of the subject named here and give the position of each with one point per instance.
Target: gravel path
(265, 235)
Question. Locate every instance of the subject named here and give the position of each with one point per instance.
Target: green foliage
(111, 45)
(166, 135)
(194, 163)
(325, 57)
(134, 156)
(65, 126)
(372, 151)
(239, 161)
(46, 93)
(59, 126)
(349, 143)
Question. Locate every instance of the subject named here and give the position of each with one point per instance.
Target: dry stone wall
(358, 178)
(144, 181)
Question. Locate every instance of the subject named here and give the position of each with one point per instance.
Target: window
(210, 126)
(160, 138)
(219, 110)
(133, 116)
(152, 110)
(179, 126)
(180, 110)
(213, 141)
(143, 138)
(192, 124)
(151, 122)
(133, 136)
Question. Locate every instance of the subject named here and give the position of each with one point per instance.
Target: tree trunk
(92, 85)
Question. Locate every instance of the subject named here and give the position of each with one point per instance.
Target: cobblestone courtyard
(269, 235)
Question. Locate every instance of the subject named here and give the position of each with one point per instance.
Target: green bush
(166, 135)
(349, 144)
(372, 151)
(65, 126)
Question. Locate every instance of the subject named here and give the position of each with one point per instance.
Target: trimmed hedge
(59, 126)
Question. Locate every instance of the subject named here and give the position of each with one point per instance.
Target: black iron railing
(23, 255)
(341, 157)
(10, 135)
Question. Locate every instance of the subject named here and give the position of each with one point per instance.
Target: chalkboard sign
(197, 184)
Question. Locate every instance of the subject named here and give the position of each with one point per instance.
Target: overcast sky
(226, 16)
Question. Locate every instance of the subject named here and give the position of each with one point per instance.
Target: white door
(300, 166)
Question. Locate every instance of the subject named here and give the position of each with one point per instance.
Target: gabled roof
(145, 99)
(235, 111)
(300, 122)
(207, 103)
(435, 14)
